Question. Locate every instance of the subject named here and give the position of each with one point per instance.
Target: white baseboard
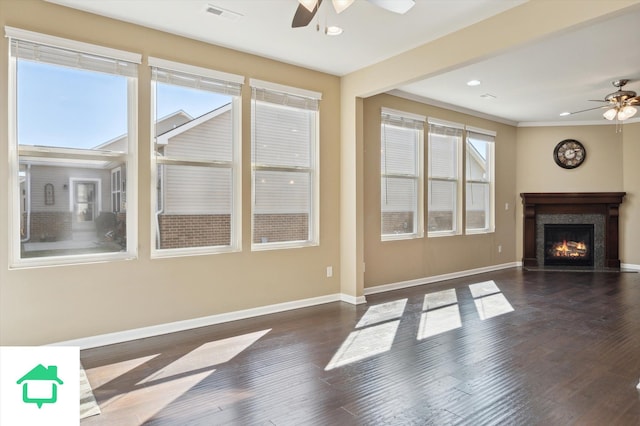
(436, 278)
(630, 266)
(354, 300)
(172, 327)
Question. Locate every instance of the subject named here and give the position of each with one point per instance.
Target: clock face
(569, 154)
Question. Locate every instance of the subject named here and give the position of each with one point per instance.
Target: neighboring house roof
(40, 372)
(163, 138)
(164, 124)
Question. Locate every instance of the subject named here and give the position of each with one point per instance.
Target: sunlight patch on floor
(206, 356)
(483, 289)
(492, 306)
(442, 313)
(98, 376)
(365, 343)
(383, 312)
(439, 321)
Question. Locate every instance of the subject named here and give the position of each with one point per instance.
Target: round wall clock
(569, 154)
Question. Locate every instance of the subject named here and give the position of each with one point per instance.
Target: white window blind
(198, 82)
(401, 174)
(444, 158)
(67, 58)
(284, 162)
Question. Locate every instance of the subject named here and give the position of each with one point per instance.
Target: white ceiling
(533, 84)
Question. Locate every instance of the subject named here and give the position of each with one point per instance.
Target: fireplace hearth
(597, 210)
(568, 244)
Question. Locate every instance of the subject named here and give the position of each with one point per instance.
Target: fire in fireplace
(568, 244)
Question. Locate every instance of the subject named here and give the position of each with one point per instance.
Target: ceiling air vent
(223, 13)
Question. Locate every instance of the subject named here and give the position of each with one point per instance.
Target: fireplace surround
(600, 209)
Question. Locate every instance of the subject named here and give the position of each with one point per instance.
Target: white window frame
(418, 177)
(235, 164)
(457, 206)
(313, 170)
(490, 180)
(16, 151)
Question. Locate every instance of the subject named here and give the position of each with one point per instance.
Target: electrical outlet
(499, 248)
(506, 206)
(329, 271)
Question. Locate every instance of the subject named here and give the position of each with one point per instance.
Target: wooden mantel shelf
(572, 197)
(605, 203)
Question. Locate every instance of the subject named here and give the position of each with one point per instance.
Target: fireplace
(577, 212)
(568, 244)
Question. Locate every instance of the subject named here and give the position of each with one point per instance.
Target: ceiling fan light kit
(341, 5)
(620, 103)
(307, 9)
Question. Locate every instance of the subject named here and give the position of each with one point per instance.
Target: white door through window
(84, 202)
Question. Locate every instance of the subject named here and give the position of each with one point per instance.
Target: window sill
(399, 237)
(52, 261)
(283, 245)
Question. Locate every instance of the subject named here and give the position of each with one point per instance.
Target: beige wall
(51, 304)
(43, 305)
(602, 170)
(395, 261)
(630, 209)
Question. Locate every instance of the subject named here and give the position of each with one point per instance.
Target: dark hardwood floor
(554, 348)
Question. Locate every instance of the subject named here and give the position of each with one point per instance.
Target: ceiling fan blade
(396, 6)
(589, 109)
(597, 100)
(633, 101)
(303, 17)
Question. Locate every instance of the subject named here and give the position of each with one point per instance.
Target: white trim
(630, 266)
(267, 85)
(73, 45)
(195, 70)
(353, 300)
(481, 131)
(172, 327)
(436, 278)
(602, 122)
(403, 114)
(427, 101)
(445, 123)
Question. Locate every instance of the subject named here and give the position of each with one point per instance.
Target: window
(479, 179)
(401, 139)
(444, 192)
(73, 118)
(284, 152)
(196, 159)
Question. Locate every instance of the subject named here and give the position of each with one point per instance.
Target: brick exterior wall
(49, 226)
(272, 228)
(182, 231)
(397, 223)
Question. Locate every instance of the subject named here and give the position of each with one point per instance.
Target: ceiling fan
(307, 9)
(619, 103)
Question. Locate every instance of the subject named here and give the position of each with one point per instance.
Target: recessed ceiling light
(564, 114)
(333, 30)
(473, 83)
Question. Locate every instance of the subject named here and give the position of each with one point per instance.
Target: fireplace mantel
(604, 203)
